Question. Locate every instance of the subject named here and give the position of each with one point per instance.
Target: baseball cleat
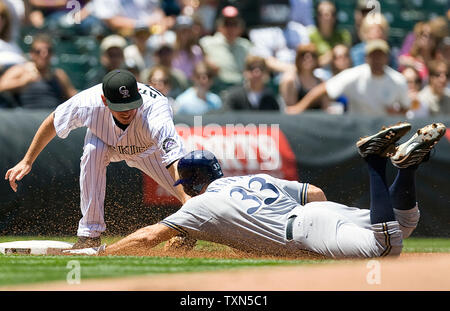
(416, 149)
(383, 142)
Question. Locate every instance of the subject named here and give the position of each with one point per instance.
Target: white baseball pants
(338, 231)
(94, 161)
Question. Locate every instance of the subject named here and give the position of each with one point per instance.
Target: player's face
(124, 117)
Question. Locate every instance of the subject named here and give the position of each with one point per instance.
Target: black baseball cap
(121, 90)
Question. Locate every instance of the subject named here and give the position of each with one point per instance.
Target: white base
(33, 247)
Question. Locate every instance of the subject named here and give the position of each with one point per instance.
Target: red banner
(241, 150)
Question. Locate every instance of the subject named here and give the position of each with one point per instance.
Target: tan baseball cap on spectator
(378, 44)
(113, 41)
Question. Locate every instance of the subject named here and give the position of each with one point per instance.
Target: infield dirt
(409, 272)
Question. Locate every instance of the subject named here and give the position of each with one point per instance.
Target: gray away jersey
(245, 212)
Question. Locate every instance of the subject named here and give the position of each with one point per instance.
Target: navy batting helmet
(196, 169)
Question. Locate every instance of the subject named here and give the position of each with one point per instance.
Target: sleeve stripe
(173, 226)
(304, 194)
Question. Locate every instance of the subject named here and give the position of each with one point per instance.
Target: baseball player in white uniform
(126, 121)
(265, 215)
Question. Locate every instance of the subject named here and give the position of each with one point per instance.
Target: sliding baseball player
(265, 215)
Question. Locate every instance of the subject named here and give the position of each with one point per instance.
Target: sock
(380, 200)
(403, 189)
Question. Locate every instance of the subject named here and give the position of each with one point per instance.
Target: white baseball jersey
(251, 213)
(149, 143)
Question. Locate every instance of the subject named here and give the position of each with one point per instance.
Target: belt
(289, 227)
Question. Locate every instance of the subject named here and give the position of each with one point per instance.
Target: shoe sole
(418, 146)
(383, 142)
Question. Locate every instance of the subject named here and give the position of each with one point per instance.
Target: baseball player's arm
(315, 194)
(43, 136)
(144, 238)
(173, 171)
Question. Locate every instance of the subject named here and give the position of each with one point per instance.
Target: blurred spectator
(10, 53)
(422, 51)
(295, 85)
(436, 95)
(139, 52)
(340, 61)
(326, 35)
(438, 28)
(206, 13)
(61, 14)
(254, 93)
(414, 82)
(363, 7)
(124, 16)
(198, 99)
(302, 12)
(111, 57)
(187, 51)
(163, 56)
(38, 10)
(374, 26)
(159, 78)
(226, 49)
(443, 50)
(372, 89)
(278, 43)
(17, 16)
(36, 83)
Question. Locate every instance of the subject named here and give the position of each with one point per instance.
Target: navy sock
(403, 189)
(380, 200)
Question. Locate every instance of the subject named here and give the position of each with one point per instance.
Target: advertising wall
(311, 147)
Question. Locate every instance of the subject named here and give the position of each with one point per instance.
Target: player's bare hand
(17, 173)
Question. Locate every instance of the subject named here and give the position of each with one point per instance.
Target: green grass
(20, 269)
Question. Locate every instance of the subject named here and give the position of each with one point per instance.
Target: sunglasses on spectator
(253, 67)
(415, 81)
(231, 23)
(333, 14)
(303, 54)
(162, 81)
(438, 74)
(40, 51)
(202, 75)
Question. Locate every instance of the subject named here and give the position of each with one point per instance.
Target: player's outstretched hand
(17, 173)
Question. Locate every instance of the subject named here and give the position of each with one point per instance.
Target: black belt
(289, 227)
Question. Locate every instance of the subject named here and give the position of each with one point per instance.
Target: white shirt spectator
(277, 42)
(17, 11)
(10, 54)
(139, 10)
(369, 94)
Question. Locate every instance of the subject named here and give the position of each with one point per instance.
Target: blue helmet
(196, 169)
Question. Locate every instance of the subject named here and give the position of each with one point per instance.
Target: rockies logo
(123, 90)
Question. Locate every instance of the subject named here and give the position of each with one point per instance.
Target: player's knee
(315, 194)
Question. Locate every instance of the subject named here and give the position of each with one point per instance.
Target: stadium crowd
(211, 56)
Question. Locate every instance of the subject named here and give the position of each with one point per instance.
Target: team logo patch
(123, 90)
(169, 144)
